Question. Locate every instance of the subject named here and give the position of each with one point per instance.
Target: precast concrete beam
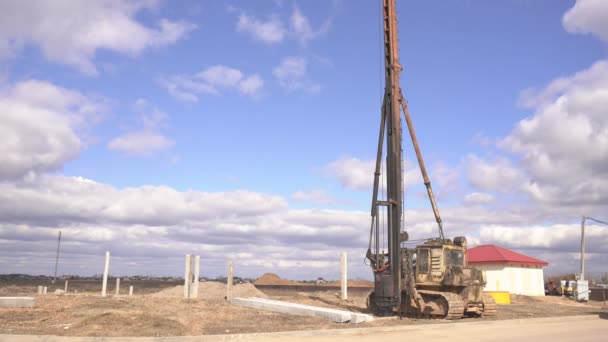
(17, 302)
(340, 316)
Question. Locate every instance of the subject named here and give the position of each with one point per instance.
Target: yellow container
(501, 297)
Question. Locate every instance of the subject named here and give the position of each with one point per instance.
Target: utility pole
(57, 257)
(585, 218)
(582, 276)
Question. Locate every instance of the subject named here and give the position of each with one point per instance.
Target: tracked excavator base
(489, 306)
(445, 305)
(436, 304)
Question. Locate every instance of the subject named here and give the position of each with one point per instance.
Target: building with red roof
(507, 270)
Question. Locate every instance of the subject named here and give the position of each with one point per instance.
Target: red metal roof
(492, 254)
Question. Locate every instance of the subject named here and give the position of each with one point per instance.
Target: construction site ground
(157, 309)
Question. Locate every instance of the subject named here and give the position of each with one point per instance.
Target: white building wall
(522, 280)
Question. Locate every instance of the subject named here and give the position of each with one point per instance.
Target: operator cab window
(454, 257)
(422, 261)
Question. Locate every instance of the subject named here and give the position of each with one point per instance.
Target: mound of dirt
(273, 279)
(212, 290)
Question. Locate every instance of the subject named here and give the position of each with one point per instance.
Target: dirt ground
(158, 310)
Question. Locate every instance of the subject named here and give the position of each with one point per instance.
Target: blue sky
(270, 109)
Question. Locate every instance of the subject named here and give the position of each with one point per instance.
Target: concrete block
(340, 316)
(17, 302)
(131, 291)
(44, 289)
(39, 290)
(59, 292)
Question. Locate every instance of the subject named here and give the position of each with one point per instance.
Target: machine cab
(435, 258)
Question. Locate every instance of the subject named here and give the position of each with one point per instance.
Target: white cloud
(315, 196)
(357, 174)
(563, 146)
(271, 31)
(300, 24)
(214, 80)
(291, 75)
(161, 223)
(147, 139)
(40, 127)
(141, 143)
(71, 32)
(557, 237)
(251, 85)
(587, 16)
(353, 173)
(478, 198)
(497, 175)
(220, 76)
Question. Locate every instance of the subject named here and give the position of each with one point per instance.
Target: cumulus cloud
(160, 222)
(141, 143)
(54, 200)
(71, 32)
(587, 16)
(315, 196)
(291, 75)
(353, 173)
(563, 146)
(147, 139)
(300, 25)
(358, 174)
(40, 126)
(478, 198)
(560, 237)
(214, 80)
(493, 175)
(271, 31)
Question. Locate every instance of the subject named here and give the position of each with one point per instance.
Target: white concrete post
(117, 286)
(344, 278)
(44, 290)
(106, 269)
(229, 281)
(65, 287)
(187, 276)
(131, 291)
(39, 290)
(197, 269)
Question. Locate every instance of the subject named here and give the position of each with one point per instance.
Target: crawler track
(489, 306)
(455, 306)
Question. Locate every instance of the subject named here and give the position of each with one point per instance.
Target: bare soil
(157, 309)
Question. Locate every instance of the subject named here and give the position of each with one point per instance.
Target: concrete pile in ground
(340, 316)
